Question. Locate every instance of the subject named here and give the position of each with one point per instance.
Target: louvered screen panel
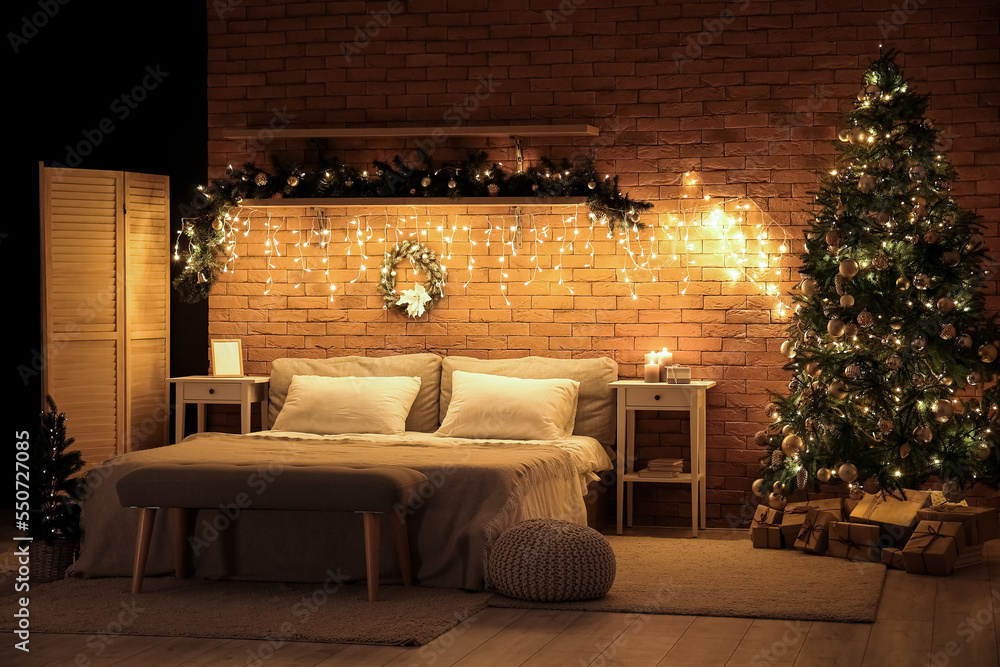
(82, 225)
(147, 289)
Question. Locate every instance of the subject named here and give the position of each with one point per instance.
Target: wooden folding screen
(105, 306)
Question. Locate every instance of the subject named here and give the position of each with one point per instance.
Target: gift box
(933, 547)
(980, 523)
(854, 541)
(766, 516)
(969, 556)
(895, 518)
(815, 532)
(795, 515)
(893, 557)
(765, 537)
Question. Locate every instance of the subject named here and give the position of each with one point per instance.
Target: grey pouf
(547, 560)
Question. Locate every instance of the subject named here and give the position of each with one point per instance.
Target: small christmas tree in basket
(54, 525)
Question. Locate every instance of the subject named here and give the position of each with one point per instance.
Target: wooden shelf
(379, 202)
(581, 130)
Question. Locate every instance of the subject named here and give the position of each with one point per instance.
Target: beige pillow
(493, 406)
(330, 405)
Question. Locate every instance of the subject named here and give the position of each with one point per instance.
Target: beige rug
(730, 578)
(406, 616)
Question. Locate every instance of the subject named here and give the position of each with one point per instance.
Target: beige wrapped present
(815, 531)
(933, 548)
(896, 518)
(795, 515)
(766, 537)
(893, 557)
(854, 541)
(980, 523)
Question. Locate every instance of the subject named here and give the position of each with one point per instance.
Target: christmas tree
(889, 343)
(54, 488)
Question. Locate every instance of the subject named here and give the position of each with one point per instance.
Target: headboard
(595, 414)
(424, 413)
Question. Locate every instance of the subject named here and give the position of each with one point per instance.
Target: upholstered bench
(373, 492)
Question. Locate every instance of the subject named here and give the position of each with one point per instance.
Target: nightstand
(205, 389)
(636, 395)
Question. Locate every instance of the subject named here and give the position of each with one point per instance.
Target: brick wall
(743, 95)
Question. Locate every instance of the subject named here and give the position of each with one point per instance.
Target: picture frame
(227, 357)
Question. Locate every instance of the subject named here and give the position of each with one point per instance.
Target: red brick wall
(744, 94)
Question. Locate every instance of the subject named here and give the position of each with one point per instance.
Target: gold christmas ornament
(846, 301)
(835, 328)
(974, 243)
(865, 319)
(848, 472)
(848, 268)
(867, 184)
(857, 136)
(885, 163)
(917, 173)
(834, 238)
(896, 323)
(788, 349)
(850, 329)
(837, 390)
(778, 487)
(894, 362)
(823, 475)
(884, 425)
(791, 445)
(772, 411)
(814, 369)
(786, 429)
(974, 378)
(945, 304)
(943, 410)
(853, 371)
(932, 236)
(776, 501)
(923, 433)
(758, 488)
(965, 341)
(903, 283)
(988, 352)
(919, 343)
(947, 331)
(810, 287)
(217, 224)
(292, 180)
(425, 182)
(982, 452)
(921, 281)
(844, 135)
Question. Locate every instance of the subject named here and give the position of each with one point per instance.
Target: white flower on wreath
(414, 299)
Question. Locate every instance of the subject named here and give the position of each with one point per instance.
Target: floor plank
(520, 640)
(462, 639)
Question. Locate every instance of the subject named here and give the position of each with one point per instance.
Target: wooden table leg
(146, 519)
(373, 535)
(181, 522)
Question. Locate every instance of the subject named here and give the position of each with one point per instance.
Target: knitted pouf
(546, 560)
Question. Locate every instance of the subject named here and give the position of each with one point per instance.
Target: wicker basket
(49, 561)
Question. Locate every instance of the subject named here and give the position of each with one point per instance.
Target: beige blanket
(476, 489)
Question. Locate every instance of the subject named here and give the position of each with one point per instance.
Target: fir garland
(474, 177)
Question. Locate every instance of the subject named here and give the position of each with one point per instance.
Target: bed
(477, 486)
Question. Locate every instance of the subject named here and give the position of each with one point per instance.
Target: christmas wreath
(422, 298)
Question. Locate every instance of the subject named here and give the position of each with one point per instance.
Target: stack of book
(663, 468)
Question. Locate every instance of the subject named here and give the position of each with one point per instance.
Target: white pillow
(493, 406)
(329, 405)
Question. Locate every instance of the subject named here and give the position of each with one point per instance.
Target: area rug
(730, 578)
(404, 616)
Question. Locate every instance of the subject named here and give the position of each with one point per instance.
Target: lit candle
(651, 373)
(666, 358)
(653, 358)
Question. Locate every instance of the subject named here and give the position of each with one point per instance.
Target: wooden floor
(922, 621)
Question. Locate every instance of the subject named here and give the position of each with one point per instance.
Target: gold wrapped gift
(766, 516)
(815, 532)
(795, 515)
(854, 541)
(893, 557)
(896, 518)
(765, 537)
(980, 523)
(933, 548)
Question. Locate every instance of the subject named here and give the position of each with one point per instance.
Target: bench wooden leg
(402, 548)
(373, 535)
(146, 519)
(181, 521)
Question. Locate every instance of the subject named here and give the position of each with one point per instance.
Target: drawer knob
(656, 398)
(212, 391)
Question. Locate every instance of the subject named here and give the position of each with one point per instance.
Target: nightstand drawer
(659, 397)
(208, 391)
